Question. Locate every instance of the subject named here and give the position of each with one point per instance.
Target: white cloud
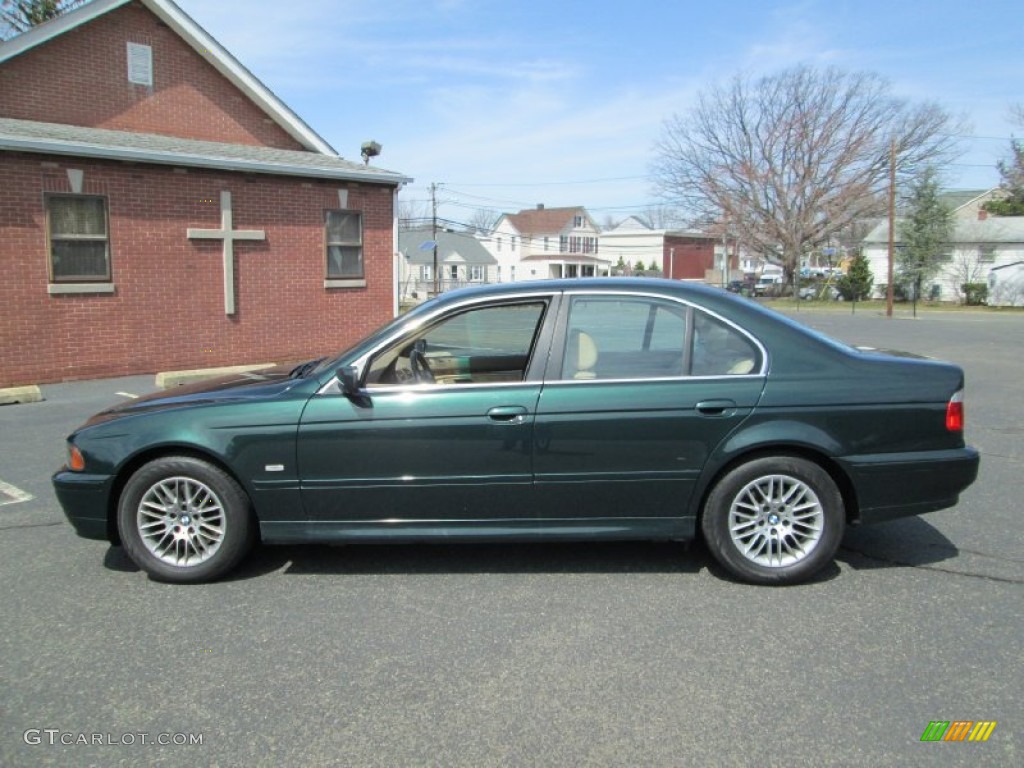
(459, 90)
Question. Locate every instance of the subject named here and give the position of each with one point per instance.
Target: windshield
(331, 364)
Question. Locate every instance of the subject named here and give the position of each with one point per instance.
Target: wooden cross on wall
(228, 235)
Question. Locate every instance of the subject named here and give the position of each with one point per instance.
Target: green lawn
(899, 307)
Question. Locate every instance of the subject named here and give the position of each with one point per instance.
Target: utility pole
(433, 206)
(725, 252)
(892, 225)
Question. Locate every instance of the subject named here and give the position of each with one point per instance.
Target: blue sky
(509, 104)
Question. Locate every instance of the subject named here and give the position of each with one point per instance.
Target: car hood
(244, 386)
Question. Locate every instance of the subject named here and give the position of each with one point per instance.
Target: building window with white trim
(344, 235)
(79, 239)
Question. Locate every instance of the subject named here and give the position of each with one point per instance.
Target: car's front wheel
(184, 520)
(774, 520)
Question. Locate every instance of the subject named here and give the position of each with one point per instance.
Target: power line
(554, 183)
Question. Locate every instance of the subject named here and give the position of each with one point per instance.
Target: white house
(1006, 285)
(461, 261)
(539, 243)
(980, 243)
(677, 254)
(632, 242)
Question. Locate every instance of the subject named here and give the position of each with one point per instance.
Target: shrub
(974, 293)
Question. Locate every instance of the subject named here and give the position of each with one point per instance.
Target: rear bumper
(85, 501)
(889, 485)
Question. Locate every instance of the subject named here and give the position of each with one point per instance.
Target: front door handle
(508, 414)
(716, 407)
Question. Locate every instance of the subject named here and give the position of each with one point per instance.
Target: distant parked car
(578, 409)
(768, 285)
(826, 292)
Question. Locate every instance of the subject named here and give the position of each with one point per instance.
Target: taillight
(955, 412)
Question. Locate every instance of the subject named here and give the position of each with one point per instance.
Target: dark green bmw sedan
(542, 411)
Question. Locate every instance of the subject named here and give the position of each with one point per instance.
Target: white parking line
(127, 394)
(15, 494)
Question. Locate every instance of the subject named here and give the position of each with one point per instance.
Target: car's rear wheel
(184, 520)
(774, 520)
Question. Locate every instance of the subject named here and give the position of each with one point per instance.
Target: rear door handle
(508, 414)
(716, 407)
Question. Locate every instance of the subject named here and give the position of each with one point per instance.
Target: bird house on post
(368, 150)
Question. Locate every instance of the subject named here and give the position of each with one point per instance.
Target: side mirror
(349, 379)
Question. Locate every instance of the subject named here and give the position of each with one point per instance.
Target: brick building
(160, 208)
(678, 254)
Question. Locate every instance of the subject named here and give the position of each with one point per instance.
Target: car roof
(611, 284)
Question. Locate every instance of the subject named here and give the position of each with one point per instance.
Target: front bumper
(86, 502)
(889, 485)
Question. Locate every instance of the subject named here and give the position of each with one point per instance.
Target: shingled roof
(449, 244)
(59, 139)
(544, 221)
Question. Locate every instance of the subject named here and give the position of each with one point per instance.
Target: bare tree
(662, 217)
(1017, 113)
(482, 221)
(850, 237)
(413, 214)
(17, 16)
(965, 268)
(1011, 170)
(967, 264)
(795, 158)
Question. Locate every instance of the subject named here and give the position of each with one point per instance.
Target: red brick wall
(168, 309)
(81, 78)
(691, 258)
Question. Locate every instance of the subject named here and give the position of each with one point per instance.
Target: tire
(774, 520)
(185, 521)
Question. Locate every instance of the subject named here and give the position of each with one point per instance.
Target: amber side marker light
(955, 412)
(76, 461)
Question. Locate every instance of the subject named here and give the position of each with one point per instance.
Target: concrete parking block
(169, 379)
(30, 394)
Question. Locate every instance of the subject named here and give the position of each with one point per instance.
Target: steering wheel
(418, 362)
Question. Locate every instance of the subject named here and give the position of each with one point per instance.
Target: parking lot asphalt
(567, 654)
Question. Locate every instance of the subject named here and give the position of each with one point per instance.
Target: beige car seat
(581, 356)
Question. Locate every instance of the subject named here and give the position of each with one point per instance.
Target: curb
(30, 394)
(169, 379)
